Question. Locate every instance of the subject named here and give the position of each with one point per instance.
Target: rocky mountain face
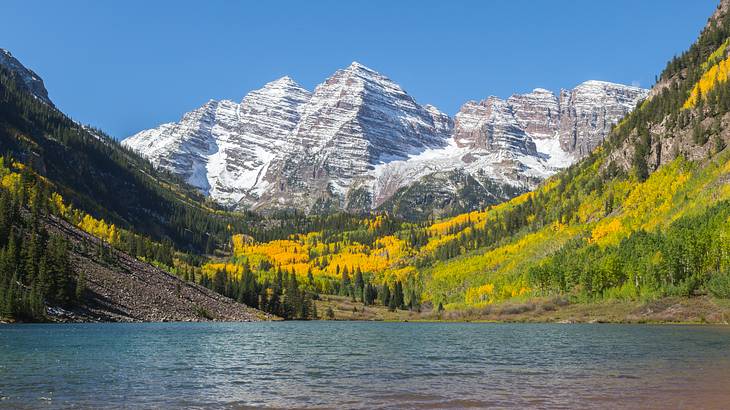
(360, 142)
(586, 119)
(354, 121)
(31, 81)
(224, 148)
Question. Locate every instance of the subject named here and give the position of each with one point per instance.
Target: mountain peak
(29, 79)
(604, 84)
(283, 82)
(358, 67)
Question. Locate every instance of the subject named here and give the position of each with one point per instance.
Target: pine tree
(80, 287)
(359, 283)
(392, 305)
(398, 295)
(344, 282)
(219, 281)
(385, 295)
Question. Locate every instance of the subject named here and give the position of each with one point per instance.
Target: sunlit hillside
(646, 215)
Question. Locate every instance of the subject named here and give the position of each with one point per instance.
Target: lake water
(364, 365)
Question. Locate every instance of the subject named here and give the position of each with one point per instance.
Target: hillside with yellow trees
(645, 216)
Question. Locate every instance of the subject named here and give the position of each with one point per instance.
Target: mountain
(224, 148)
(25, 79)
(637, 229)
(631, 219)
(360, 142)
(96, 174)
(83, 220)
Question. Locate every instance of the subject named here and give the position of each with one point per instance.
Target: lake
(364, 365)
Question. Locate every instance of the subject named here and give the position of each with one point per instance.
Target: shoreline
(668, 310)
(699, 310)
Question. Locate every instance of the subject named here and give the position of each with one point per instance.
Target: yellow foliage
(11, 182)
(211, 268)
(400, 274)
(385, 252)
(279, 252)
(590, 208)
(647, 204)
(479, 294)
(374, 223)
(605, 232)
(716, 74)
(716, 55)
(100, 229)
(57, 201)
(443, 227)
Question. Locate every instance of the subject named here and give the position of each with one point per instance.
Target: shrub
(719, 285)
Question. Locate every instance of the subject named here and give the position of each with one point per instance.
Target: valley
(604, 202)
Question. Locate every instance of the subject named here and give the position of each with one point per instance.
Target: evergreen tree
(398, 295)
(385, 295)
(359, 283)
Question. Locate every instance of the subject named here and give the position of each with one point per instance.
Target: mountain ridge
(358, 126)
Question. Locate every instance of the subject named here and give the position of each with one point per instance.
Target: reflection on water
(365, 365)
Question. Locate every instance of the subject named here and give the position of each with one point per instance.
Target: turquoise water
(364, 365)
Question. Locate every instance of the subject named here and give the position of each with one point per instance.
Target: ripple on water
(356, 365)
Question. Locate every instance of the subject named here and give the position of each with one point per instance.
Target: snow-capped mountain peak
(358, 139)
(223, 147)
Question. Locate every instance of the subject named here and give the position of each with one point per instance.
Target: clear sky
(128, 65)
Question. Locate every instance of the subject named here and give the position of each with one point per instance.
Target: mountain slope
(95, 173)
(224, 148)
(59, 264)
(360, 142)
(121, 288)
(644, 217)
(25, 79)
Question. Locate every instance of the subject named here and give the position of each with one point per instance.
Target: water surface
(364, 365)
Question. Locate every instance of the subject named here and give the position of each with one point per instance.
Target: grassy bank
(701, 309)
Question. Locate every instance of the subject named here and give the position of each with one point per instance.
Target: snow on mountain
(356, 119)
(224, 148)
(588, 112)
(520, 141)
(359, 138)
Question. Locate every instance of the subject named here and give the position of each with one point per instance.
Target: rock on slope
(359, 141)
(120, 288)
(125, 289)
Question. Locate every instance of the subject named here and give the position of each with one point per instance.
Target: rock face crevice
(359, 139)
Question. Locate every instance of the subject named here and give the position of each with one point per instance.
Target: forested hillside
(646, 215)
(60, 263)
(98, 175)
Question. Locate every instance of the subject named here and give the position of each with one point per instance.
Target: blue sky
(127, 66)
